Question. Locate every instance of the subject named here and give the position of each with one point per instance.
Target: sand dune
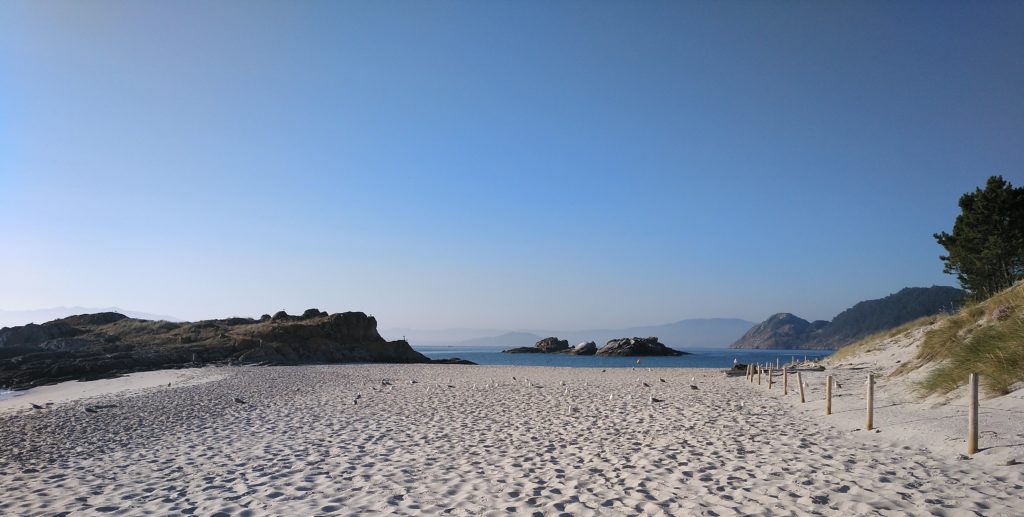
(472, 441)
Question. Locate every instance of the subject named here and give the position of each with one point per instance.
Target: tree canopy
(986, 248)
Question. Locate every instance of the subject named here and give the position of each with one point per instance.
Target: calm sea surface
(700, 358)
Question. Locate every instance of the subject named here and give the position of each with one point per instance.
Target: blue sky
(495, 164)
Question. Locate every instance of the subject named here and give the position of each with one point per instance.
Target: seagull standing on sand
(693, 383)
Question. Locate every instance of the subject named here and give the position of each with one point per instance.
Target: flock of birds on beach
(386, 385)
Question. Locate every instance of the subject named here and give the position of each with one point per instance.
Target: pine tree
(986, 248)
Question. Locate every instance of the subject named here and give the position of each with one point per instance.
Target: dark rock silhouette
(523, 350)
(587, 348)
(552, 344)
(636, 346)
(106, 344)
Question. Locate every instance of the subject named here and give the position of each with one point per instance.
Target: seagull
(603, 370)
(36, 406)
(646, 385)
(561, 383)
(611, 397)
(359, 395)
(653, 400)
(566, 391)
(693, 383)
(694, 387)
(385, 382)
(662, 380)
(239, 401)
(412, 381)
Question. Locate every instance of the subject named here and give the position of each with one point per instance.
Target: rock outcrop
(636, 346)
(552, 344)
(101, 345)
(586, 348)
(546, 345)
(523, 350)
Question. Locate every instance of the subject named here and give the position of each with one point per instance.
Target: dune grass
(872, 342)
(970, 342)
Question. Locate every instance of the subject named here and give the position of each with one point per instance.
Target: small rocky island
(631, 346)
(553, 345)
(92, 346)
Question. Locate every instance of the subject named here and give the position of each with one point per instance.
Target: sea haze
(689, 333)
(698, 358)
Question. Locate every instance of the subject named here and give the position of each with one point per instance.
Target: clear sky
(495, 164)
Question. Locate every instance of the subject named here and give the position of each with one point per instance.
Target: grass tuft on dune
(956, 345)
(973, 341)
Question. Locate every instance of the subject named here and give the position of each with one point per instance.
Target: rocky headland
(92, 346)
(787, 331)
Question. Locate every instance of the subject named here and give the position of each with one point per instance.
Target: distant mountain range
(690, 333)
(786, 331)
(16, 318)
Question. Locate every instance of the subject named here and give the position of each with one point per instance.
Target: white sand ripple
(470, 441)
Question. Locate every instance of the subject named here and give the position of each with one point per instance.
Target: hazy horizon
(497, 165)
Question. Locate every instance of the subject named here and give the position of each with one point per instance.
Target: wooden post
(758, 374)
(800, 382)
(869, 424)
(749, 369)
(785, 381)
(972, 415)
(769, 376)
(828, 395)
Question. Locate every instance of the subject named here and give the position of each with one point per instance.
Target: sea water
(4, 394)
(698, 358)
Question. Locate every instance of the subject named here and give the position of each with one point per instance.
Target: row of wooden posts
(869, 418)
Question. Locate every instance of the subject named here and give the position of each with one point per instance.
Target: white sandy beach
(474, 441)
